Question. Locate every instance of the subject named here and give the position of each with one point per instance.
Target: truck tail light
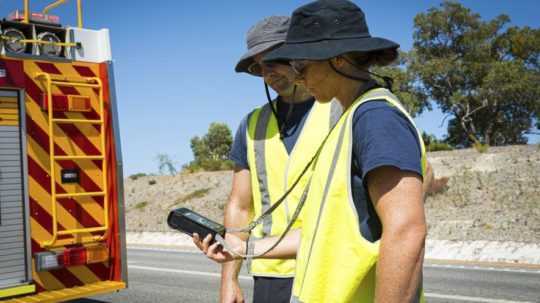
(72, 256)
(47, 260)
(97, 254)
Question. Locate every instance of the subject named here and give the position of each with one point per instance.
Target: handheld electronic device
(189, 222)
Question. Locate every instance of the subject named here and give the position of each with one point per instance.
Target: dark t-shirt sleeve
(238, 152)
(383, 136)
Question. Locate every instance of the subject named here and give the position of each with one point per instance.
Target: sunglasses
(299, 68)
(257, 68)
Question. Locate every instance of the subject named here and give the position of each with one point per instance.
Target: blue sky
(174, 62)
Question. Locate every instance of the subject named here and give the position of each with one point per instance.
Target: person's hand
(231, 291)
(216, 252)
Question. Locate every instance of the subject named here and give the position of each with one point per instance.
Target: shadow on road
(86, 301)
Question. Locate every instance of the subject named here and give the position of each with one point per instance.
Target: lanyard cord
(281, 124)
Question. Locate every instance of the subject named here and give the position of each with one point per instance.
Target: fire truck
(62, 229)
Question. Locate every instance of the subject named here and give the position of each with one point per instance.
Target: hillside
(491, 196)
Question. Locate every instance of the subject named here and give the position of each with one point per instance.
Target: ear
(338, 61)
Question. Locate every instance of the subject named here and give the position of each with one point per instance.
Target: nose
(300, 81)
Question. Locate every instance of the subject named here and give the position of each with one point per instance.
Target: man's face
(279, 77)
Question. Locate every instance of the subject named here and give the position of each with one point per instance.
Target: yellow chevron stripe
(84, 274)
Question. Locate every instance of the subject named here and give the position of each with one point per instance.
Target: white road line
(181, 271)
(217, 275)
(470, 299)
(474, 267)
(426, 265)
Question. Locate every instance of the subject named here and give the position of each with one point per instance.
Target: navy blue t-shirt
(382, 136)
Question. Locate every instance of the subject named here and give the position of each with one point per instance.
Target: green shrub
(439, 146)
(152, 182)
(481, 148)
(137, 176)
(433, 144)
(208, 165)
(141, 205)
(199, 193)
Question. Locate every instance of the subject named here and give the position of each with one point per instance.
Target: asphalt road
(166, 276)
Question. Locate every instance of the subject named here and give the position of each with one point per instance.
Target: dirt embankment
(492, 196)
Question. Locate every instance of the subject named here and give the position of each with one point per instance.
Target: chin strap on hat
(388, 81)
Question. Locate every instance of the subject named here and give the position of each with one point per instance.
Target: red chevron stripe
(15, 72)
(40, 215)
(39, 288)
(48, 68)
(38, 174)
(84, 71)
(100, 270)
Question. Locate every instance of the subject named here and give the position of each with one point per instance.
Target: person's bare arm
(428, 179)
(237, 214)
(398, 199)
(286, 249)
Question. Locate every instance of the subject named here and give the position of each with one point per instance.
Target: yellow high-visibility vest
(334, 262)
(273, 171)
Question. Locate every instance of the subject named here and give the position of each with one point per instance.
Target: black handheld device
(189, 222)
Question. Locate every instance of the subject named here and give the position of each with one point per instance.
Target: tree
(433, 144)
(165, 164)
(211, 152)
(405, 84)
(483, 74)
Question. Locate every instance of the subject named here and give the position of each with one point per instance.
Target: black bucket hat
(266, 34)
(325, 29)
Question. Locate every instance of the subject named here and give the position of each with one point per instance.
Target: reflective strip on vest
(260, 158)
(334, 262)
(274, 170)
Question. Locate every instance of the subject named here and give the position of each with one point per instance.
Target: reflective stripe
(335, 112)
(260, 159)
(249, 261)
(294, 299)
(325, 194)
